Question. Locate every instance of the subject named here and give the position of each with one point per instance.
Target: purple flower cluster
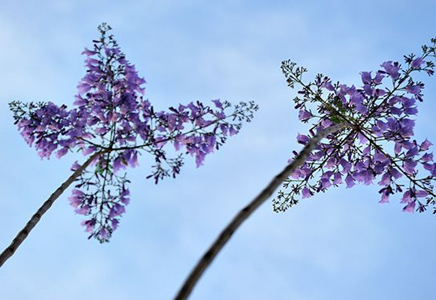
(377, 146)
(112, 118)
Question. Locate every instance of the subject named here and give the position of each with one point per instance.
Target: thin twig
(22, 235)
(228, 231)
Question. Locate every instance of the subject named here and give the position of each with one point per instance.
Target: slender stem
(22, 235)
(228, 231)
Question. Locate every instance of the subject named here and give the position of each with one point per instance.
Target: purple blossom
(378, 114)
(392, 69)
(218, 103)
(337, 178)
(410, 207)
(366, 77)
(302, 139)
(83, 210)
(379, 78)
(421, 193)
(306, 193)
(409, 166)
(304, 115)
(406, 197)
(349, 181)
(427, 157)
(417, 62)
(385, 195)
(328, 85)
(414, 89)
(112, 118)
(425, 145)
(386, 179)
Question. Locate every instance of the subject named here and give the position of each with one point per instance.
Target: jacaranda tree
(369, 139)
(112, 124)
(368, 130)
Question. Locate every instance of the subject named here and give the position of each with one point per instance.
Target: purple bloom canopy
(378, 113)
(112, 118)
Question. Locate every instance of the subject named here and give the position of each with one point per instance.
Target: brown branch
(228, 231)
(22, 235)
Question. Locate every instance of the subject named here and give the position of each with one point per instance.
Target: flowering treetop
(378, 143)
(113, 122)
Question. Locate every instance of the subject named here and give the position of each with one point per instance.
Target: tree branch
(228, 231)
(22, 235)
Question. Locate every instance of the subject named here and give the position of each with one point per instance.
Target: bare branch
(22, 235)
(228, 231)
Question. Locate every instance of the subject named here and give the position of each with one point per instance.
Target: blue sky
(338, 245)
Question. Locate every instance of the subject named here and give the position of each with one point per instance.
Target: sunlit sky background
(339, 245)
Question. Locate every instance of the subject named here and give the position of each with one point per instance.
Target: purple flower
(83, 88)
(232, 130)
(366, 77)
(425, 145)
(304, 115)
(337, 178)
(368, 177)
(349, 181)
(409, 166)
(406, 127)
(345, 165)
(61, 152)
(396, 173)
(412, 152)
(328, 85)
(361, 108)
(356, 99)
(369, 91)
(88, 150)
(392, 69)
(411, 111)
(325, 183)
(386, 179)
(88, 52)
(75, 166)
(116, 210)
(306, 193)
(397, 148)
(385, 195)
(124, 196)
(378, 77)
(428, 167)
(410, 207)
(103, 234)
(118, 164)
(408, 102)
(114, 223)
(427, 157)
(302, 139)
(218, 103)
(76, 198)
(406, 197)
(84, 210)
(413, 89)
(379, 92)
(421, 193)
(417, 62)
(89, 224)
(394, 100)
